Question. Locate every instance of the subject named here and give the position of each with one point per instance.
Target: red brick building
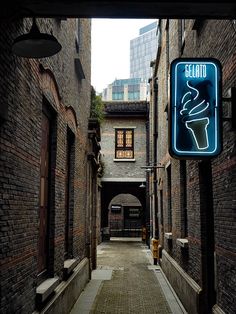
(48, 170)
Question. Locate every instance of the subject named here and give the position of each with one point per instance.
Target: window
(46, 195)
(134, 213)
(133, 96)
(69, 193)
(117, 96)
(43, 196)
(124, 144)
(198, 25)
(161, 207)
(117, 92)
(78, 37)
(133, 88)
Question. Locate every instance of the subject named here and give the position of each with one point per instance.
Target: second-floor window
(124, 144)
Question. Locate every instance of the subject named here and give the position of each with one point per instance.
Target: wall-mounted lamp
(35, 44)
(142, 185)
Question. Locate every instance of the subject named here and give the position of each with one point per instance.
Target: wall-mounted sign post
(195, 108)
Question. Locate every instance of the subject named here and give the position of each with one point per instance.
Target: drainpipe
(155, 136)
(147, 216)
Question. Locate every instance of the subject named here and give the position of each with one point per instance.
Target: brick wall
(23, 85)
(129, 169)
(212, 222)
(217, 39)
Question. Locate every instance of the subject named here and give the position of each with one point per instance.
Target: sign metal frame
(195, 108)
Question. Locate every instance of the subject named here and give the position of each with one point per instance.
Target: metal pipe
(155, 136)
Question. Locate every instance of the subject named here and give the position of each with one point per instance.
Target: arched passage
(112, 189)
(125, 216)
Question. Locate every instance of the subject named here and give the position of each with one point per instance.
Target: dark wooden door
(69, 193)
(67, 199)
(132, 221)
(43, 214)
(207, 237)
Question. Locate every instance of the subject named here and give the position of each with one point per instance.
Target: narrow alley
(118, 181)
(126, 281)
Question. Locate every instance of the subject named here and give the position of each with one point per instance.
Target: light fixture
(142, 185)
(35, 44)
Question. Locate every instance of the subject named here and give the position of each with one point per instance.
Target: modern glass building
(142, 51)
(126, 90)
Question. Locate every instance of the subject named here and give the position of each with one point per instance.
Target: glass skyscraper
(131, 89)
(143, 50)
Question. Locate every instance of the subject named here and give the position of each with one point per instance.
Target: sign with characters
(195, 108)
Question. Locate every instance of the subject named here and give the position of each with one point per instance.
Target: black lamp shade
(35, 44)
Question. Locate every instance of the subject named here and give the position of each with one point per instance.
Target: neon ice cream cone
(198, 128)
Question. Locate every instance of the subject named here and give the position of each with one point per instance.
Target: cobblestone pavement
(133, 287)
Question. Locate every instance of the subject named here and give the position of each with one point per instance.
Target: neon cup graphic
(195, 116)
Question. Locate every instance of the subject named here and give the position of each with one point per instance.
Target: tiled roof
(126, 107)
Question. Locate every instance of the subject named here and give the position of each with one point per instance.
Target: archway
(125, 216)
(111, 189)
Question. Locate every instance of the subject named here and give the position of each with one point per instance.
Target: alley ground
(126, 281)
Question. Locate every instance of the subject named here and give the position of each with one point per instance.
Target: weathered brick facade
(123, 175)
(28, 88)
(129, 168)
(196, 200)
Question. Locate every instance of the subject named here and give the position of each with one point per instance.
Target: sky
(110, 49)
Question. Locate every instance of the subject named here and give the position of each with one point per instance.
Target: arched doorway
(125, 216)
(110, 190)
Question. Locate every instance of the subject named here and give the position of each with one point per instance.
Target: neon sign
(195, 108)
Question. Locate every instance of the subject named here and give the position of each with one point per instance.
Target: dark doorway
(207, 234)
(125, 216)
(112, 189)
(132, 221)
(44, 188)
(69, 191)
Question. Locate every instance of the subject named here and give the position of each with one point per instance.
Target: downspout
(155, 136)
(155, 131)
(147, 212)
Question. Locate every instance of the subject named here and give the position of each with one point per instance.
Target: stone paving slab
(85, 301)
(133, 288)
(127, 282)
(102, 274)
